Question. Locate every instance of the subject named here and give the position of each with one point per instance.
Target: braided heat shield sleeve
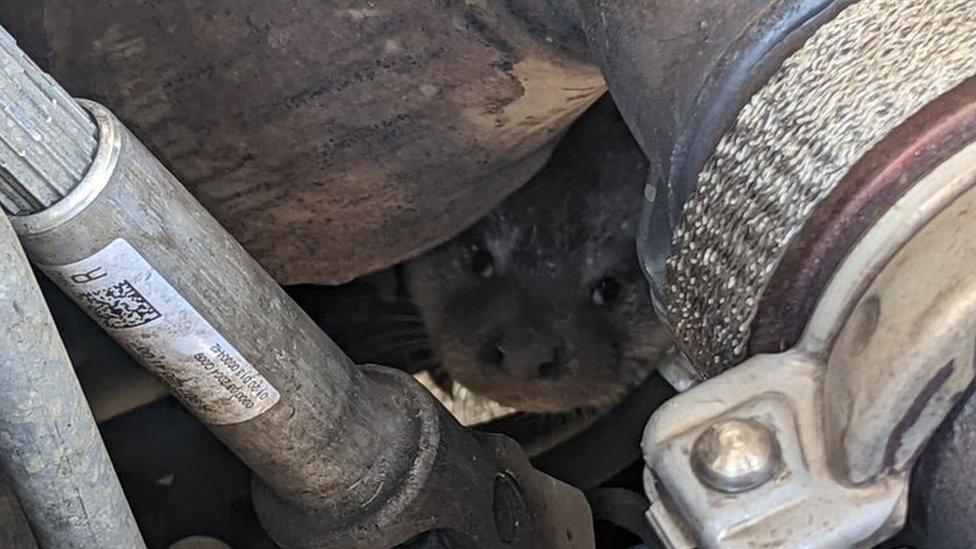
(856, 79)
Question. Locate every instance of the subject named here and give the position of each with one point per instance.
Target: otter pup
(542, 305)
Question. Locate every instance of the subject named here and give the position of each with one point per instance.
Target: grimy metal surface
(887, 353)
(680, 72)
(345, 456)
(132, 197)
(869, 189)
(899, 320)
(942, 506)
(14, 529)
(828, 105)
(50, 448)
(42, 126)
(330, 138)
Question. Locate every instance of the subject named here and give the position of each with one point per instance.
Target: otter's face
(542, 305)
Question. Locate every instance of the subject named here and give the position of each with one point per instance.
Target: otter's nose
(529, 354)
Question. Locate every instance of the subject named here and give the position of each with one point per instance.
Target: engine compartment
(492, 273)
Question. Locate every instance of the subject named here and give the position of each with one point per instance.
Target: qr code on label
(120, 306)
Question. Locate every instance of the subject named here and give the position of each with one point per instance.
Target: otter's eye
(606, 291)
(482, 264)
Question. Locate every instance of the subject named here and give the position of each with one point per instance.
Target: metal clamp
(887, 353)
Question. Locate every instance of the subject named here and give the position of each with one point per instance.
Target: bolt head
(736, 455)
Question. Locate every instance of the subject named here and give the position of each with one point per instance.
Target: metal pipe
(352, 456)
(48, 140)
(134, 249)
(145, 260)
(49, 444)
(344, 456)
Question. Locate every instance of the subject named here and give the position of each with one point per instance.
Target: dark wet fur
(372, 320)
(509, 304)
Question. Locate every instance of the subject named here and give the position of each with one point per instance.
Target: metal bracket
(885, 356)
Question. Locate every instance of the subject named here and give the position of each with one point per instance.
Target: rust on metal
(863, 196)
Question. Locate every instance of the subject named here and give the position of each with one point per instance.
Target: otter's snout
(527, 354)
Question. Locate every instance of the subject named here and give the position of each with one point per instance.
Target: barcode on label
(147, 316)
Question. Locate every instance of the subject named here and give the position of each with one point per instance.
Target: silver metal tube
(345, 456)
(140, 255)
(47, 141)
(134, 249)
(49, 444)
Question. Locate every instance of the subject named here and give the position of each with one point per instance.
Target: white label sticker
(146, 315)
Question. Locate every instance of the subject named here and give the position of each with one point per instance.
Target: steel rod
(47, 140)
(343, 455)
(141, 256)
(50, 447)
